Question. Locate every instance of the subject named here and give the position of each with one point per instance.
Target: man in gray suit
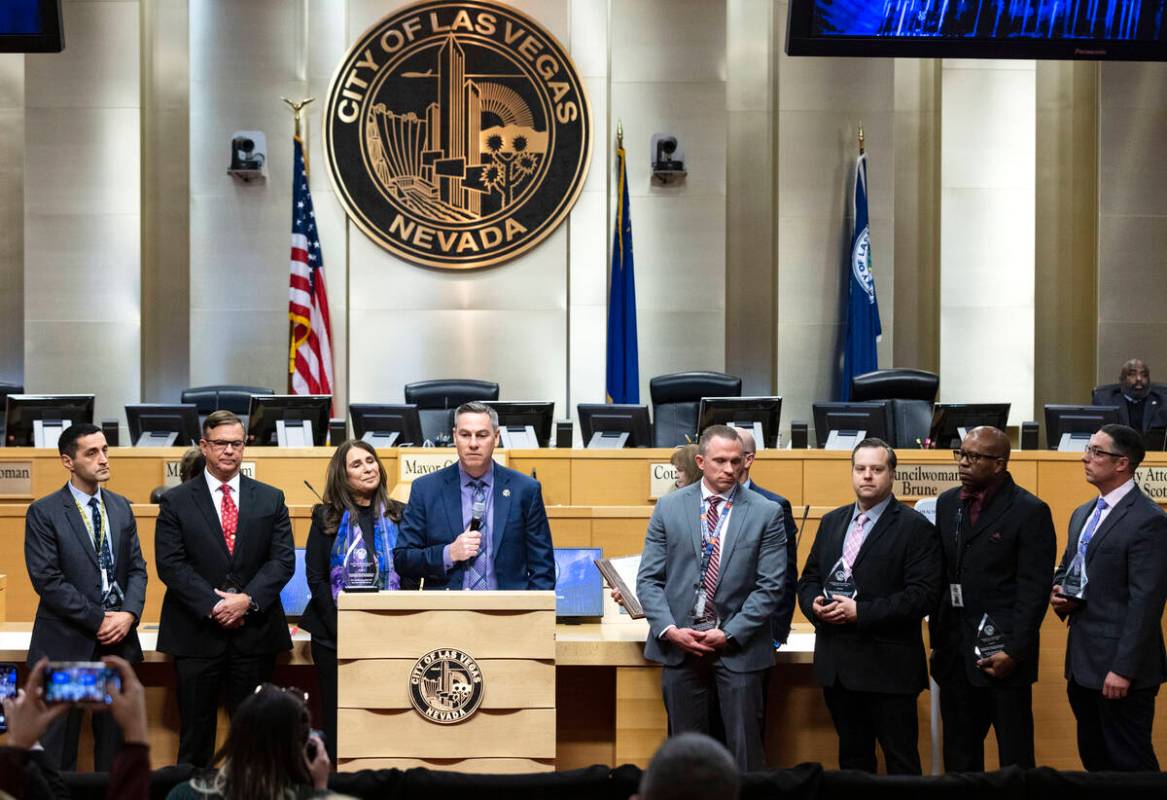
(1115, 661)
(710, 578)
(84, 560)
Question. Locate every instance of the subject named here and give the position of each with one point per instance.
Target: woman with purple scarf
(350, 545)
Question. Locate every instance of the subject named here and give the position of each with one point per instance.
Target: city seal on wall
(457, 134)
(445, 686)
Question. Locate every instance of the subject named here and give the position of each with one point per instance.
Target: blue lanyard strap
(707, 537)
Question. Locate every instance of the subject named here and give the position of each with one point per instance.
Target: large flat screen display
(31, 26)
(1057, 29)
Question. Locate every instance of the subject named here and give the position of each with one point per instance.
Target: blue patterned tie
(1091, 526)
(101, 541)
(477, 567)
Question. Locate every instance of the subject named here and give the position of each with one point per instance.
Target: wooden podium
(448, 680)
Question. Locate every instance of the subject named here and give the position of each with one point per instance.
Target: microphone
(318, 497)
(476, 512)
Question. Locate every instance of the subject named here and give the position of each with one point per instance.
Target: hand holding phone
(7, 690)
(28, 716)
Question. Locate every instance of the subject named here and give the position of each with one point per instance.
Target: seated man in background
(1139, 401)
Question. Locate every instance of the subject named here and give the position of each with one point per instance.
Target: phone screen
(80, 682)
(7, 689)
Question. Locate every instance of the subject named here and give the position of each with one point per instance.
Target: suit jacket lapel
(78, 524)
(246, 511)
(998, 505)
(114, 517)
(881, 525)
(502, 508)
(1112, 519)
(739, 512)
(694, 509)
(206, 505)
(453, 504)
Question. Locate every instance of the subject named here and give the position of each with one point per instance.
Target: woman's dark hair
(338, 495)
(192, 465)
(263, 756)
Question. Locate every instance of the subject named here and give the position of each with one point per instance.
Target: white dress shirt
(216, 487)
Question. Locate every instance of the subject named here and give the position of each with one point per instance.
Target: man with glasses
(1115, 659)
(999, 545)
(223, 544)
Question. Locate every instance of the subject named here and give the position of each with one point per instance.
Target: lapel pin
(506, 492)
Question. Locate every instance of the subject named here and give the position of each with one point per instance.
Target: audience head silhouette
(691, 766)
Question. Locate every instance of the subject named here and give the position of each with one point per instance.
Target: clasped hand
(839, 611)
(114, 627)
(699, 643)
(231, 609)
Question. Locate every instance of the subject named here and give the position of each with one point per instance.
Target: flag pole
(298, 112)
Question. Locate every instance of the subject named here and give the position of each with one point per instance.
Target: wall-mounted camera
(668, 160)
(248, 156)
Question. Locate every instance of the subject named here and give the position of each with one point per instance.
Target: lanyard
(709, 538)
(97, 537)
(959, 537)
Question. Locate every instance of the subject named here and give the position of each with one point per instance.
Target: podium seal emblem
(457, 133)
(445, 686)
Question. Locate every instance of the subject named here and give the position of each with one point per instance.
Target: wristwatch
(252, 606)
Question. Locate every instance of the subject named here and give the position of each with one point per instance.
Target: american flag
(310, 355)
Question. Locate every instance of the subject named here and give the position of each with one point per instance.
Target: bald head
(984, 456)
(749, 451)
(989, 440)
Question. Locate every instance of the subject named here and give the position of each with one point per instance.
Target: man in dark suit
(869, 651)
(476, 524)
(1138, 400)
(780, 623)
(999, 545)
(224, 550)
(84, 560)
(1115, 659)
(711, 575)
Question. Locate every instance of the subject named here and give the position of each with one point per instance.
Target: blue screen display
(20, 17)
(1070, 20)
(579, 587)
(295, 595)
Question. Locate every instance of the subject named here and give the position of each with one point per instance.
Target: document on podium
(620, 573)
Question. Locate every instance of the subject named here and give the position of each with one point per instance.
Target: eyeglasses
(224, 444)
(1093, 452)
(973, 458)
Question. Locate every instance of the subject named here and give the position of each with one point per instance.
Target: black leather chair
(912, 392)
(676, 399)
(436, 401)
(227, 397)
(6, 389)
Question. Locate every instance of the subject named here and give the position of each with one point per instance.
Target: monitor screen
(157, 418)
(872, 417)
(949, 418)
(24, 410)
(539, 414)
(615, 418)
(1110, 29)
(1062, 419)
(295, 595)
(31, 26)
(386, 418)
(579, 587)
(267, 410)
(742, 412)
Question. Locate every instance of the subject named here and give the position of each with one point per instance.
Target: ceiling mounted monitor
(1099, 30)
(31, 26)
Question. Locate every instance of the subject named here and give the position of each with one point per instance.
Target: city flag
(863, 328)
(310, 354)
(623, 361)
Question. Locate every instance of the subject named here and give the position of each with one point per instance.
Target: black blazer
(897, 573)
(780, 622)
(1117, 629)
(193, 561)
(319, 617)
(1005, 572)
(62, 566)
(1111, 395)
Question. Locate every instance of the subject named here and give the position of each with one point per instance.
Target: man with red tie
(224, 549)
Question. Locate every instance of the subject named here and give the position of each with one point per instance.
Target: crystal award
(1074, 582)
(990, 638)
(840, 583)
(360, 571)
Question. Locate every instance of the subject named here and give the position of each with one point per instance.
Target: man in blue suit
(476, 524)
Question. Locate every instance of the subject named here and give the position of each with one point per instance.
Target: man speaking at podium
(476, 524)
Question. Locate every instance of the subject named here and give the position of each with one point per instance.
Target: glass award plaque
(1074, 582)
(114, 597)
(360, 570)
(840, 582)
(990, 638)
(704, 615)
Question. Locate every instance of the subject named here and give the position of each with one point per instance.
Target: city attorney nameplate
(924, 480)
(457, 134)
(15, 479)
(445, 686)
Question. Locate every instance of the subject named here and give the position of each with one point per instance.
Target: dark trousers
(687, 690)
(201, 681)
(324, 657)
(1114, 734)
(863, 718)
(60, 740)
(969, 711)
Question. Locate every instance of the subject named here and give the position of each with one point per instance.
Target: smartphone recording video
(7, 689)
(80, 682)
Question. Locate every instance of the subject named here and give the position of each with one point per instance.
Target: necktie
(714, 564)
(229, 513)
(101, 541)
(854, 541)
(478, 566)
(1091, 526)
